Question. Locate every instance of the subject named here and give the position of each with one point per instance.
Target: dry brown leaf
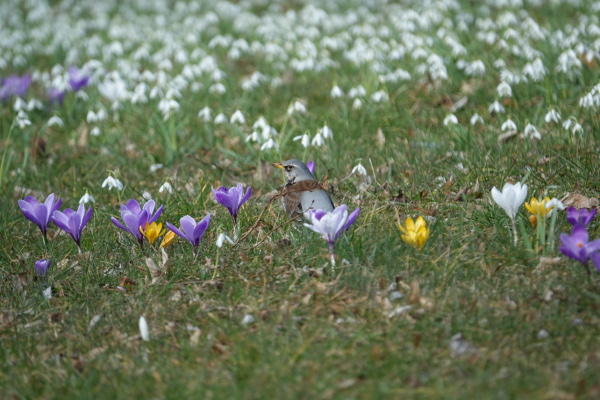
(507, 135)
(380, 138)
(415, 293)
(579, 201)
(545, 263)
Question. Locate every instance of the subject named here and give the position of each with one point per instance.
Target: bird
(302, 192)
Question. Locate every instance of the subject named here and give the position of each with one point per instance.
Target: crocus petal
(188, 224)
(596, 259)
(351, 218)
(176, 230)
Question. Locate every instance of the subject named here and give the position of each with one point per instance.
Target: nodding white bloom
(357, 104)
(155, 167)
(22, 119)
(380, 97)
(269, 144)
(326, 132)
(95, 131)
(237, 118)
(496, 108)
(296, 107)
(19, 104)
(535, 70)
(318, 140)
(33, 104)
(552, 116)
(221, 119)
(55, 120)
(221, 240)
(359, 170)
(168, 107)
(87, 198)
(205, 114)
(112, 182)
(511, 198)
(508, 125)
(217, 88)
(166, 187)
(336, 92)
(144, 332)
(304, 140)
(450, 119)
(504, 89)
(114, 88)
(475, 119)
(358, 91)
(476, 68)
(531, 132)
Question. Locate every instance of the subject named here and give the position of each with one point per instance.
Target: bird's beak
(278, 165)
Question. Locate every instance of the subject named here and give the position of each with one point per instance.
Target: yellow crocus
(415, 233)
(538, 209)
(152, 231)
(168, 239)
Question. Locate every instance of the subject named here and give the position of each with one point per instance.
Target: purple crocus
(39, 213)
(311, 166)
(14, 85)
(578, 247)
(78, 78)
(580, 217)
(73, 222)
(232, 198)
(42, 266)
(136, 217)
(191, 231)
(331, 224)
(56, 96)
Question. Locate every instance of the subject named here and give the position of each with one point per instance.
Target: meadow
(408, 109)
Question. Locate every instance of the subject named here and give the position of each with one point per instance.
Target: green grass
(316, 335)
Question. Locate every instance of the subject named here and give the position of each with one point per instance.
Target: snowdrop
(304, 140)
(221, 119)
(531, 132)
(552, 116)
(205, 114)
(55, 120)
(496, 108)
(508, 125)
(450, 119)
(476, 119)
(336, 92)
(237, 118)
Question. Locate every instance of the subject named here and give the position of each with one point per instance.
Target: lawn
(408, 109)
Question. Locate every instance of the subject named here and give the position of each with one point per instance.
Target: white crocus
(510, 199)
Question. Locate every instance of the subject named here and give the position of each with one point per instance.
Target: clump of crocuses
(73, 222)
(135, 218)
(41, 267)
(40, 213)
(232, 199)
(331, 224)
(577, 245)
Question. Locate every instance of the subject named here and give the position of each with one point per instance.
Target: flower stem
(514, 229)
(332, 257)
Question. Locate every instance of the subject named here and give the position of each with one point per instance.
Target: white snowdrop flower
(359, 170)
(326, 132)
(146, 195)
(568, 123)
(508, 125)
(535, 70)
(217, 88)
(156, 92)
(205, 114)
(475, 119)
(19, 104)
(296, 107)
(476, 68)
(260, 123)
(22, 119)
(155, 167)
(166, 187)
(196, 87)
(112, 182)
(95, 131)
(380, 97)
(358, 91)
(577, 128)
(237, 118)
(91, 117)
(587, 101)
(304, 140)
(87, 198)
(35, 104)
(336, 92)
(496, 108)
(101, 115)
(318, 140)
(221, 119)
(221, 240)
(504, 89)
(55, 120)
(499, 64)
(253, 137)
(249, 85)
(144, 331)
(450, 120)
(113, 88)
(218, 75)
(168, 107)
(552, 116)
(569, 63)
(531, 132)
(357, 104)
(48, 293)
(248, 319)
(269, 144)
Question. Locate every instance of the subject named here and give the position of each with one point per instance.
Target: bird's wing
(292, 194)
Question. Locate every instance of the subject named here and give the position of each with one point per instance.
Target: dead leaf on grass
(545, 263)
(579, 201)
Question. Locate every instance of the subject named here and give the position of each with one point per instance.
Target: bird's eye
(288, 167)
